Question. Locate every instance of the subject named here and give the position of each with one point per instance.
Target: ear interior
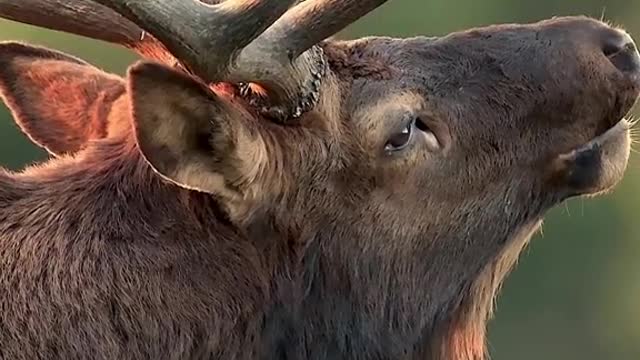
(184, 130)
(198, 139)
(58, 101)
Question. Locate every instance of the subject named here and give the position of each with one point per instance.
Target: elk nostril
(612, 49)
(612, 46)
(620, 49)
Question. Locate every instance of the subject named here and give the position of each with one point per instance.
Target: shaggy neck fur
(368, 307)
(463, 336)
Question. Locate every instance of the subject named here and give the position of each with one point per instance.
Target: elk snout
(620, 49)
(601, 87)
(605, 75)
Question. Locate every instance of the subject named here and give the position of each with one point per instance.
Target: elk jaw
(598, 165)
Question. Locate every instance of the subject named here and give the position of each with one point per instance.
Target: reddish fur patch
(465, 341)
(224, 89)
(258, 90)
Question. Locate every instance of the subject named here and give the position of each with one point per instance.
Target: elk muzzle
(600, 164)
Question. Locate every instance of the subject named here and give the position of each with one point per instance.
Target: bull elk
(252, 190)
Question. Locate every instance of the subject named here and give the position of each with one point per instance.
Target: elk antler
(85, 18)
(234, 40)
(284, 59)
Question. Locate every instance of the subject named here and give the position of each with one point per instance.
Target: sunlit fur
(194, 229)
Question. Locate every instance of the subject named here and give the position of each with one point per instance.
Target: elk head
(415, 173)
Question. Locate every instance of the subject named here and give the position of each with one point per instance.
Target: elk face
(466, 142)
(502, 122)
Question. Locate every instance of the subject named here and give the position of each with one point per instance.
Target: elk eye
(400, 140)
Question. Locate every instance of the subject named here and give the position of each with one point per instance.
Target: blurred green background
(576, 291)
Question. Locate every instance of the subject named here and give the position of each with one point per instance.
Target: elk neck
(359, 302)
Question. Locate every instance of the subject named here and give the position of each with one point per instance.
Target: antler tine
(315, 20)
(280, 58)
(98, 21)
(205, 38)
(90, 19)
(84, 18)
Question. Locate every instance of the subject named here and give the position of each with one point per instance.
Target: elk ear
(58, 101)
(192, 136)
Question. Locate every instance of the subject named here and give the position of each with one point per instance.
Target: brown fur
(197, 230)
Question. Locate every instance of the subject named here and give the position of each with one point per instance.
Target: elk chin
(597, 166)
